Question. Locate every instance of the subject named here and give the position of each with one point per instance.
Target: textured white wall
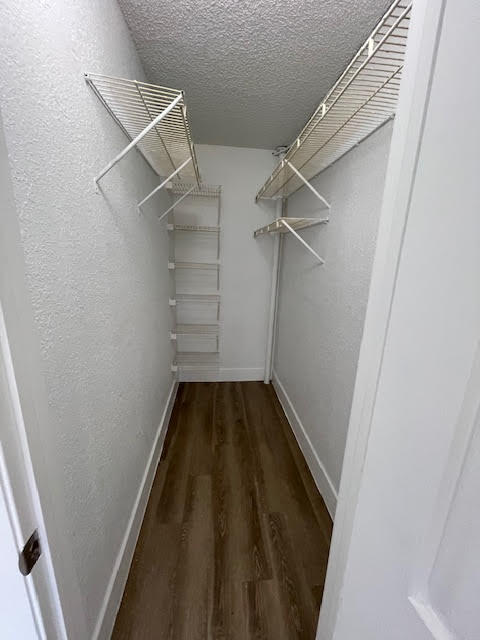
(245, 262)
(321, 308)
(96, 271)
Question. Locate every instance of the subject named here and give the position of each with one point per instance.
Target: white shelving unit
(215, 266)
(203, 363)
(278, 225)
(193, 227)
(197, 329)
(154, 119)
(364, 97)
(290, 225)
(207, 298)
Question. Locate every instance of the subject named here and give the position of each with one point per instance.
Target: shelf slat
(193, 227)
(197, 329)
(198, 297)
(200, 191)
(196, 358)
(195, 265)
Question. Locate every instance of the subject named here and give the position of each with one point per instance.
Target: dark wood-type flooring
(235, 540)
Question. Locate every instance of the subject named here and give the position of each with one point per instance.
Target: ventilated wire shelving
(199, 191)
(197, 329)
(154, 118)
(196, 362)
(208, 298)
(278, 225)
(215, 266)
(200, 335)
(364, 97)
(193, 227)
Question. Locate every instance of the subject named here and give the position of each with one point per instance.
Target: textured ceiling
(253, 70)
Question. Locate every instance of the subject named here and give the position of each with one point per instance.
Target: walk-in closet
(216, 325)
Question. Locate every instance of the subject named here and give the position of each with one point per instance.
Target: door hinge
(30, 553)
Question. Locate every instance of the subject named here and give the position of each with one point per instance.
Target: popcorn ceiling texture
(317, 349)
(253, 70)
(97, 274)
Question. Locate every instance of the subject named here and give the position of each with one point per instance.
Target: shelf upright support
(141, 135)
(162, 184)
(175, 203)
(269, 354)
(307, 183)
(305, 244)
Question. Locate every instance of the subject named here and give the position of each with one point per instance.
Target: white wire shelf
(195, 265)
(197, 329)
(193, 227)
(363, 98)
(197, 369)
(196, 358)
(135, 106)
(199, 191)
(278, 226)
(209, 298)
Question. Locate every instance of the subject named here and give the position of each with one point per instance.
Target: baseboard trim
(116, 585)
(239, 375)
(318, 471)
(223, 375)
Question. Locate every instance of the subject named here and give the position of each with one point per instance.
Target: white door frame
(9, 413)
(400, 177)
(56, 583)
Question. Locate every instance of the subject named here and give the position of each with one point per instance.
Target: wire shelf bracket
(302, 241)
(288, 225)
(163, 184)
(277, 226)
(307, 184)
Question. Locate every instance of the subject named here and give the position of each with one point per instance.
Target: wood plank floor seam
(235, 540)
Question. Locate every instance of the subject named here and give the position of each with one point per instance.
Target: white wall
(321, 308)
(245, 262)
(413, 565)
(97, 276)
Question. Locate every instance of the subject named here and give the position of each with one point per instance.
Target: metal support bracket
(162, 184)
(141, 135)
(305, 244)
(307, 183)
(175, 203)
